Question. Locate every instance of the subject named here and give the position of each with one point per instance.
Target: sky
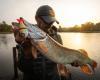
(68, 12)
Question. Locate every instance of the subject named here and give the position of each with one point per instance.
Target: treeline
(86, 27)
(4, 27)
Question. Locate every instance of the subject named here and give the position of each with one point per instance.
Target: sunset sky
(68, 12)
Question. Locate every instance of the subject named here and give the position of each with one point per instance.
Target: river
(88, 41)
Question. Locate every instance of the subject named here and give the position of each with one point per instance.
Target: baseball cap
(46, 13)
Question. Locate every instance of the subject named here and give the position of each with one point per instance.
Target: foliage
(4, 27)
(86, 27)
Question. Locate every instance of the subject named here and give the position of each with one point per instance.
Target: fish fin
(43, 47)
(20, 20)
(94, 64)
(63, 71)
(34, 52)
(87, 69)
(83, 52)
(21, 23)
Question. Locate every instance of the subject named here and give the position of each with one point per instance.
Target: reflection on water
(77, 40)
(88, 41)
(6, 59)
(3, 39)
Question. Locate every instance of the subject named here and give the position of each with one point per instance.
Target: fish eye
(22, 34)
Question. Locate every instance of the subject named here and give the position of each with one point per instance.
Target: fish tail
(87, 69)
(94, 64)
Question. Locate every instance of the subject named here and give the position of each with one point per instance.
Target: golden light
(73, 40)
(77, 40)
(74, 14)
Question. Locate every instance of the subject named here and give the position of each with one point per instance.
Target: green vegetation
(86, 27)
(5, 28)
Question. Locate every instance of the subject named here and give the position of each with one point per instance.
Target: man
(33, 64)
(45, 17)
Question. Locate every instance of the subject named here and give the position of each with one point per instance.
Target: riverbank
(80, 32)
(60, 32)
(6, 32)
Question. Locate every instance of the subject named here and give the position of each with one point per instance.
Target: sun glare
(77, 40)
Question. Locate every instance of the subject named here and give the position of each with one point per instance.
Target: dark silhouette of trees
(97, 27)
(86, 27)
(4, 27)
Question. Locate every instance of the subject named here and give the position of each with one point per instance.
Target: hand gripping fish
(55, 51)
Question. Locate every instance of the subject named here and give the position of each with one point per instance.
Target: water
(6, 55)
(88, 41)
(91, 43)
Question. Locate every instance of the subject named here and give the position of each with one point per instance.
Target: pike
(55, 51)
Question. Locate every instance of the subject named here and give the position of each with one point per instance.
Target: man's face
(42, 25)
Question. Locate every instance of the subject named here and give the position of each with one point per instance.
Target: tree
(87, 26)
(4, 27)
